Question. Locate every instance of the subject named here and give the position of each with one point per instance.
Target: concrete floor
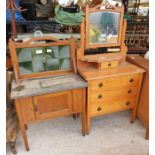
(110, 135)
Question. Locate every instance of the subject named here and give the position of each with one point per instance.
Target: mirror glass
(41, 59)
(103, 27)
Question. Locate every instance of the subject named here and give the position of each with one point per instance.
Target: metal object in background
(13, 7)
(137, 37)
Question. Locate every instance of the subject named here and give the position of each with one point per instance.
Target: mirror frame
(13, 45)
(103, 8)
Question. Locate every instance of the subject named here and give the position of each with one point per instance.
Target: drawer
(52, 105)
(111, 106)
(109, 64)
(114, 82)
(114, 94)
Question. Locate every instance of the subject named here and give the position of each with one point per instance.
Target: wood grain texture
(143, 105)
(53, 105)
(114, 83)
(111, 90)
(43, 107)
(109, 64)
(110, 107)
(89, 72)
(27, 110)
(21, 124)
(78, 94)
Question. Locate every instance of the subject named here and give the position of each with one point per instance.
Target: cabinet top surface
(40, 86)
(89, 72)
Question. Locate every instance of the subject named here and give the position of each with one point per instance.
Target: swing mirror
(103, 27)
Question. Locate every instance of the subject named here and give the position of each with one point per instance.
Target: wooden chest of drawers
(112, 90)
(38, 100)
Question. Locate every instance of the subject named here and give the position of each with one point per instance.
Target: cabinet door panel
(52, 105)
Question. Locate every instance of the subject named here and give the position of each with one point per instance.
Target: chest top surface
(40, 86)
(89, 72)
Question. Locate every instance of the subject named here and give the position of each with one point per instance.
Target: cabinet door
(53, 105)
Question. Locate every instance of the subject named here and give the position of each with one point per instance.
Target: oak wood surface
(111, 90)
(34, 109)
(52, 105)
(109, 107)
(89, 72)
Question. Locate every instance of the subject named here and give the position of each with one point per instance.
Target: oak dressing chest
(113, 83)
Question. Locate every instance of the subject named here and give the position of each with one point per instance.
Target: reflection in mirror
(101, 50)
(103, 27)
(41, 59)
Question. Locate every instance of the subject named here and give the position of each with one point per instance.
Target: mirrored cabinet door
(104, 27)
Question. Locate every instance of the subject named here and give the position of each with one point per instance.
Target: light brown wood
(43, 107)
(83, 112)
(27, 110)
(134, 111)
(143, 105)
(114, 83)
(85, 34)
(109, 64)
(113, 94)
(21, 124)
(89, 72)
(88, 108)
(78, 94)
(109, 107)
(111, 90)
(31, 43)
(52, 105)
(123, 47)
(99, 58)
(147, 134)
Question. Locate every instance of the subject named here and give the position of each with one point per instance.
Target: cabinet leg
(88, 125)
(147, 134)
(133, 115)
(76, 115)
(23, 132)
(83, 117)
(26, 126)
(13, 147)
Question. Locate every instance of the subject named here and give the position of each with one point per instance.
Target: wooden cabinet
(46, 84)
(143, 106)
(37, 103)
(111, 90)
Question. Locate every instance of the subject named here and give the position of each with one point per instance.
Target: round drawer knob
(129, 91)
(131, 80)
(127, 103)
(109, 64)
(99, 96)
(99, 109)
(100, 84)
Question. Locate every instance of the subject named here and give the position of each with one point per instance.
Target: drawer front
(109, 64)
(114, 82)
(111, 106)
(53, 105)
(114, 94)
